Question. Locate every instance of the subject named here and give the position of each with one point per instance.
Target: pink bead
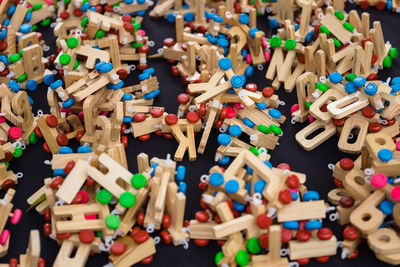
(16, 216)
(4, 236)
(379, 180)
(267, 56)
(49, 2)
(91, 217)
(398, 145)
(294, 190)
(248, 59)
(310, 119)
(238, 106)
(396, 193)
(264, 42)
(29, 6)
(80, 115)
(294, 108)
(104, 113)
(142, 32)
(231, 113)
(84, 195)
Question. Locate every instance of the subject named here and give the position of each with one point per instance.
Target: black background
(314, 163)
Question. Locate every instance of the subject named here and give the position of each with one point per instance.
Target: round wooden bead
(86, 236)
(144, 137)
(263, 221)
(118, 248)
(192, 117)
(201, 242)
(292, 181)
(171, 119)
(8, 156)
(368, 112)
(47, 215)
(139, 117)
(41, 262)
(374, 127)
(183, 98)
(252, 87)
(169, 42)
(324, 233)
(264, 240)
(70, 165)
(38, 133)
(51, 121)
(323, 259)
(124, 140)
(283, 166)
(7, 184)
(350, 233)
(144, 49)
(140, 218)
(268, 92)
(157, 112)
(346, 164)
(338, 122)
(166, 221)
(304, 261)
(123, 74)
(13, 262)
(285, 196)
(168, 136)
(175, 71)
(47, 229)
(202, 109)
(79, 135)
(286, 235)
(201, 216)
(56, 182)
(140, 236)
(147, 260)
(303, 235)
(63, 236)
(346, 201)
(62, 139)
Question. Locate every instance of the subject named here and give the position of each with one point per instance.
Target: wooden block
(134, 253)
(302, 211)
(49, 134)
(246, 222)
(359, 124)
(310, 144)
(31, 258)
(73, 182)
(347, 105)
(355, 183)
(384, 241)
(312, 248)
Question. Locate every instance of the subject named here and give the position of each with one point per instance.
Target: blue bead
(231, 91)
(350, 88)
(28, 16)
(249, 170)
(154, 167)
(249, 71)
(180, 173)
(141, 12)
(238, 81)
(224, 160)
(291, 225)
(223, 42)
(216, 179)
(68, 103)
(238, 206)
(224, 139)
(170, 17)
(93, 9)
(390, 180)
(25, 28)
(141, 1)
(144, 76)
(226, 51)
(182, 187)
(296, 26)
(30, 101)
(127, 97)
(313, 225)
(188, 16)
(243, 52)
(84, 149)
(385, 155)
(4, 59)
(248, 122)
(56, 84)
(14, 85)
(273, 23)
(128, 2)
(218, 19)
(261, 105)
(149, 71)
(6, 22)
(235, 130)
(119, 85)
(106, 67)
(386, 207)
(396, 80)
(127, 119)
(294, 196)
(259, 186)
(395, 88)
(31, 85)
(310, 37)
(252, 32)
(152, 94)
(65, 150)
(248, 187)
(269, 165)
(3, 34)
(389, 5)
(48, 79)
(274, 113)
(335, 77)
(99, 65)
(11, 10)
(359, 81)
(59, 172)
(85, 6)
(212, 39)
(231, 186)
(310, 195)
(185, 7)
(244, 18)
(371, 89)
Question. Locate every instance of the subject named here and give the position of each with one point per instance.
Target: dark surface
(313, 163)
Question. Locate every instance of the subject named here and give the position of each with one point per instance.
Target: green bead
(350, 77)
(253, 246)
(133, 20)
(65, 59)
(290, 44)
(117, 4)
(99, 234)
(21, 53)
(325, 30)
(22, 78)
(7, 164)
(127, 200)
(348, 26)
(275, 129)
(251, 2)
(34, 27)
(76, 64)
(112, 221)
(308, 105)
(138, 181)
(339, 15)
(30, 10)
(67, 1)
(136, 45)
(387, 62)
(336, 42)
(393, 53)
(84, 22)
(322, 87)
(218, 257)
(45, 22)
(264, 129)
(17, 153)
(33, 139)
(14, 58)
(254, 150)
(37, 6)
(104, 196)
(275, 41)
(136, 26)
(84, 1)
(72, 42)
(242, 258)
(100, 34)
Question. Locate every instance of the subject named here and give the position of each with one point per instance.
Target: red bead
(346, 164)
(301, 58)
(86, 236)
(122, 73)
(203, 186)
(14, 132)
(140, 236)
(183, 98)
(374, 58)
(165, 237)
(324, 108)
(166, 221)
(380, 5)
(263, 221)
(201, 216)
(168, 136)
(363, 4)
(70, 165)
(323, 259)
(171, 119)
(391, 122)
(219, 124)
(338, 183)
(77, 12)
(79, 135)
(157, 112)
(169, 42)
(175, 71)
(303, 235)
(365, 40)
(221, 242)
(139, 117)
(283, 166)
(292, 181)
(304, 261)
(47, 215)
(118, 248)
(41, 262)
(63, 236)
(252, 87)
(285, 196)
(56, 182)
(90, 182)
(140, 218)
(203, 204)
(372, 77)
(338, 122)
(144, 137)
(158, 133)
(202, 109)
(128, 26)
(13, 262)
(127, 18)
(147, 260)
(192, 117)
(64, 15)
(374, 127)
(201, 242)
(350, 233)
(268, 92)
(264, 240)
(346, 201)
(217, 219)
(7, 156)
(52, 121)
(354, 255)
(201, 29)
(144, 49)
(62, 139)
(223, 113)
(46, 148)
(7, 184)
(324, 233)
(368, 112)
(47, 229)
(286, 235)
